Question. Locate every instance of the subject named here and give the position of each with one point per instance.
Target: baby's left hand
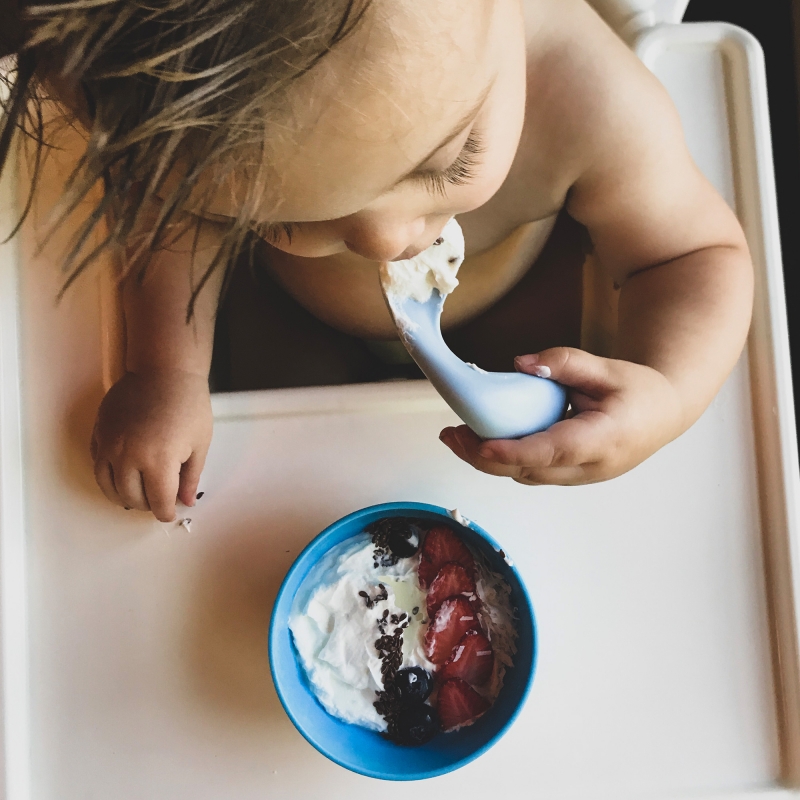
(621, 414)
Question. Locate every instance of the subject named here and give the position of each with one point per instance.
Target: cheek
(312, 240)
(501, 147)
(506, 115)
(502, 131)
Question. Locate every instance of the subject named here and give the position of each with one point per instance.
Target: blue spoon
(496, 405)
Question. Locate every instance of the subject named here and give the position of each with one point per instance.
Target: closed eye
(460, 172)
(275, 232)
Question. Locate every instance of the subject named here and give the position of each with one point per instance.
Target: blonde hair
(165, 82)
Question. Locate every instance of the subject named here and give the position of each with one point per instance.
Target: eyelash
(274, 232)
(460, 172)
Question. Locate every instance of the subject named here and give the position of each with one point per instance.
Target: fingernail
(527, 361)
(485, 451)
(460, 438)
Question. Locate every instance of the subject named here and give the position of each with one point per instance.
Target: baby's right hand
(150, 440)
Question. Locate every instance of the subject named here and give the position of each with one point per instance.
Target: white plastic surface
(631, 17)
(15, 736)
(148, 667)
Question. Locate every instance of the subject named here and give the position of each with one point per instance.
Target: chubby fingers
(190, 473)
(580, 442)
(466, 444)
(570, 452)
(130, 485)
(590, 375)
(104, 475)
(145, 489)
(161, 490)
(149, 488)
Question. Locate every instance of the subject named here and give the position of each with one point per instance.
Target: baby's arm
(154, 426)
(679, 255)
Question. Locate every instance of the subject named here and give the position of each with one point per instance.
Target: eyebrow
(458, 128)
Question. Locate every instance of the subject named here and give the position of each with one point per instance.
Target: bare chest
(344, 290)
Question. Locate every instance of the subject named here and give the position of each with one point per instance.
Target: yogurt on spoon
(434, 268)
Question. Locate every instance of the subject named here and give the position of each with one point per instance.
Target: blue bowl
(367, 752)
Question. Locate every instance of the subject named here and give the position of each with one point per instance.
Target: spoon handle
(496, 405)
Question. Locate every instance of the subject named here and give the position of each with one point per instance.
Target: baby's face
(414, 119)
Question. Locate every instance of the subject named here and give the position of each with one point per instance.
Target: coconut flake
(497, 616)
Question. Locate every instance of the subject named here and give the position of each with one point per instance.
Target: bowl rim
(445, 514)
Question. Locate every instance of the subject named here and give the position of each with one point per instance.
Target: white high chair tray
(134, 654)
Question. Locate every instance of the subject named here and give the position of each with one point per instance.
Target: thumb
(576, 369)
(191, 470)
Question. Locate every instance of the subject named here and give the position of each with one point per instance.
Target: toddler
(347, 134)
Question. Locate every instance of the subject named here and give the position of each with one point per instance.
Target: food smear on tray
(405, 629)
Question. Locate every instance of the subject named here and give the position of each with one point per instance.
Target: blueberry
(394, 538)
(403, 539)
(416, 724)
(413, 683)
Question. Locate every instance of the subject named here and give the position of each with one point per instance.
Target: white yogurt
(434, 268)
(334, 630)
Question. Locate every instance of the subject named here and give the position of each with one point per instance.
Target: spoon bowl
(496, 405)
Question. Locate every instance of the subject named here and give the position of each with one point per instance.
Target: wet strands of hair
(174, 86)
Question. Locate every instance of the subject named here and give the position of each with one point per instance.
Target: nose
(387, 241)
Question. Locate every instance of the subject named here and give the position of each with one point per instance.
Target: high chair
(134, 657)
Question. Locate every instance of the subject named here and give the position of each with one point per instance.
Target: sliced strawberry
(451, 580)
(459, 704)
(472, 660)
(453, 619)
(440, 546)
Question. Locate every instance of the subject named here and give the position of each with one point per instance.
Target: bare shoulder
(612, 139)
(589, 96)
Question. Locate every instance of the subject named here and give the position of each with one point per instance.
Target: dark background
(771, 22)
